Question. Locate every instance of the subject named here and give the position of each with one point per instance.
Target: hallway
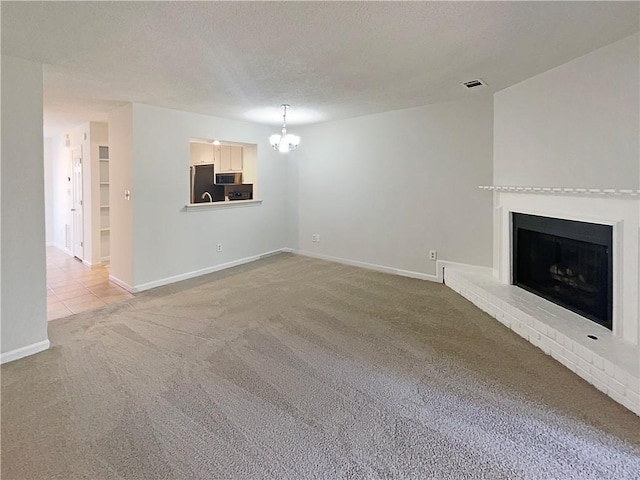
(73, 287)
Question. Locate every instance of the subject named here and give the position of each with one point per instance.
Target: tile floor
(72, 287)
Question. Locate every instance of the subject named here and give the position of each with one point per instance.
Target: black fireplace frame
(582, 231)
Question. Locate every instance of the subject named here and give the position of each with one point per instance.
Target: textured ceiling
(330, 60)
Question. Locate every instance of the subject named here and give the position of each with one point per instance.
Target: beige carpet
(294, 368)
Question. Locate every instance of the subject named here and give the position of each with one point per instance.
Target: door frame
(77, 203)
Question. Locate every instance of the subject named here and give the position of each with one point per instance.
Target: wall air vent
(474, 83)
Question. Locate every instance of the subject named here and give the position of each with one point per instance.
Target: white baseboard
(91, 265)
(441, 264)
(24, 351)
(196, 273)
(373, 266)
(438, 277)
(120, 283)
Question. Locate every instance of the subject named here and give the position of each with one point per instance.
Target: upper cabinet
(230, 158)
(201, 153)
(227, 158)
(236, 159)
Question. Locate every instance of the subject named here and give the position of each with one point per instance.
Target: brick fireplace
(604, 353)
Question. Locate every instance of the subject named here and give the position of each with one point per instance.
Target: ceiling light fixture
(285, 141)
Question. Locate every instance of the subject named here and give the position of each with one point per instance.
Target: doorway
(73, 287)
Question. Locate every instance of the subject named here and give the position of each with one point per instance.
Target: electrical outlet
(219, 248)
(315, 238)
(433, 255)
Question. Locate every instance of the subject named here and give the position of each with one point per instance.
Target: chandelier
(284, 142)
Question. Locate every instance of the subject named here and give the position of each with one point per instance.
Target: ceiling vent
(474, 83)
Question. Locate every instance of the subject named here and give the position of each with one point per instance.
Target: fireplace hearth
(610, 363)
(566, 262)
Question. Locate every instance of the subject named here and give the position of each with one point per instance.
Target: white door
(77, 243)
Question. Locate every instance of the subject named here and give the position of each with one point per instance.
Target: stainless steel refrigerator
(202, 181)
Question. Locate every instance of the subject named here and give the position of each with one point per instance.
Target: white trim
(91, 265)
(561, 190)
(371, 266)
(196, 273)
(230, 204)
(120, 283)
(438, 277)
(24, 351)
(442, 264)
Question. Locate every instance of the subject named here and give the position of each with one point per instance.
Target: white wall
(573, 126)
(48, 191)
(577, 125)
(170, 240)
(292, 197)
(385, 189)
(23, 288)
(120, 180)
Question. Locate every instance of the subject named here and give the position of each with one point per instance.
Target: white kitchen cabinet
(236, 159)
(225, 158)
(230, 159)
(201, 153)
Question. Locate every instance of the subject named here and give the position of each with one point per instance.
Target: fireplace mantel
(609, 192)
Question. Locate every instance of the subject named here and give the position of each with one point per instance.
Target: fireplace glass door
(566, 262)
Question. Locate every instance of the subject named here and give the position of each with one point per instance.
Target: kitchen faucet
(207, 194)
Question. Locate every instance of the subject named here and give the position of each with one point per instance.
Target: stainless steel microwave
(234, 178)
